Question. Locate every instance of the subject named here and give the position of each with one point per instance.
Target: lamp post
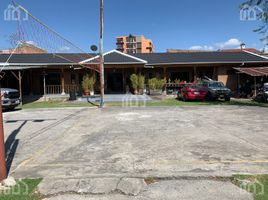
(101, 57)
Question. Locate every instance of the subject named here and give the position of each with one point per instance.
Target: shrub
(141, 80)
(88, 82)
(156, 84)
(134, 81)
(152, 83)
(160, 84)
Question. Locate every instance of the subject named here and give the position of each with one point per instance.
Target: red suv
(192, 92)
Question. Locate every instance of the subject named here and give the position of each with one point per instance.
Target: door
(115, 83)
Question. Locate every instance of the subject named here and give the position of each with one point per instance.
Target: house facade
(39, 74)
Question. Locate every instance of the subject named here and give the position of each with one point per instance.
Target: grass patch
(256, 184)
(175, 102)
(26, 189)
(55, 104)
(157, 103)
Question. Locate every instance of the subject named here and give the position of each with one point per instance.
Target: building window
(53, 79)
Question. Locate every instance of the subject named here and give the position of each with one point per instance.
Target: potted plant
(141, 80)
(88, 84)
(134, 83)
(85, 84)
(91, 84)
(156, 86)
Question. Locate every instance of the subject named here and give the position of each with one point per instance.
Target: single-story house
(62, 73)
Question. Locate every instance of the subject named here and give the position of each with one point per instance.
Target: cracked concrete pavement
(114, 143)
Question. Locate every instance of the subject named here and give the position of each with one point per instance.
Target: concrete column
(62, 82)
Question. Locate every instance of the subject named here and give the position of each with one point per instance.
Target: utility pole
(3, 170)
(101, 57)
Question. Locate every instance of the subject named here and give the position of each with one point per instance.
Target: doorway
(115, 83)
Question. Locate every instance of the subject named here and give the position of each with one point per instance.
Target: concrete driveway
(165, 143)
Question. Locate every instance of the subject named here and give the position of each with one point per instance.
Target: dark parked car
(262, 95)
(10, 98)
(192, 92)
(217, 90)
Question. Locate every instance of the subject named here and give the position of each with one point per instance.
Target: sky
(179, 24)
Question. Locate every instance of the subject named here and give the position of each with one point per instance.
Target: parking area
(137, 142)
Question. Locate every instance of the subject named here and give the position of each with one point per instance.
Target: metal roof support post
(3, 169)
(255, 86)
(20, 87)
(44, 82)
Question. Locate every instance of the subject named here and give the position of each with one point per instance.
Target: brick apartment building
(134, 44)
(24, 49)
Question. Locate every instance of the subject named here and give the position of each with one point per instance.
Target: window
(53, 79)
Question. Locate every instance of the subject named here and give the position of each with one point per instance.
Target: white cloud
(64, 48)
(206, 48)
(31, 43)
(232, 43)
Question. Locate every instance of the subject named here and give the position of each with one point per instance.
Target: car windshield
(265, 88)
(215, 84)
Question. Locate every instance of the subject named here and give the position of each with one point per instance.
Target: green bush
(141, 80)
(160, 84)
(156, 84)
(152, 83)
(88, 82)
(134, 81)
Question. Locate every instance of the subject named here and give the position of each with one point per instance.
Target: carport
(18, 72)
(254, 72)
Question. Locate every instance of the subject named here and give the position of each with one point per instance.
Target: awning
(254, 71)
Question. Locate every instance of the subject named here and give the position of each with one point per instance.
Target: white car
(265, 88)
(10, 98)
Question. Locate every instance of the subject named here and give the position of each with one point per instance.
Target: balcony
(119, 42)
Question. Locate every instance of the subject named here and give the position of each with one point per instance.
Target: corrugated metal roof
(254, 71)
(200, 57)
(44, 59)
(115, 57)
